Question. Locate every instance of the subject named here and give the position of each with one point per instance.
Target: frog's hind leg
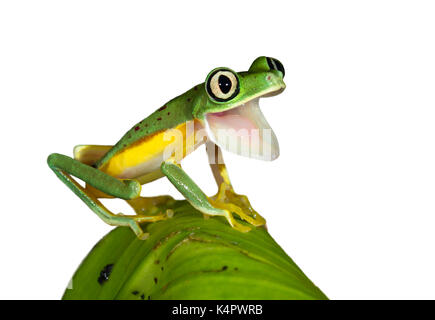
(65, 167)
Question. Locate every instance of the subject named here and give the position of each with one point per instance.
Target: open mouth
(243, 130)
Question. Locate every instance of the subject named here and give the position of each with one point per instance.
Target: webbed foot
(151, 206)
(135, 221)
(227, 199)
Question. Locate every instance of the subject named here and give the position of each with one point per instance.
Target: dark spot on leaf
(169, 113)
(162, 108)
(155, 280)
(105, 273)
(189, 99)
(137, 128)
(158, 119)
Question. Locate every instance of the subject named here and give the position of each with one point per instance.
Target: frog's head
(230, 108)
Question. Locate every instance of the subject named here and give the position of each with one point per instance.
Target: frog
(222, 112)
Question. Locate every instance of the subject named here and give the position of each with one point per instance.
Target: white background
(351, 198)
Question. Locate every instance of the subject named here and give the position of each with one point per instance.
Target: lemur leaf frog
(222, 112)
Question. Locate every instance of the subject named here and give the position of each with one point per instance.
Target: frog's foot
(217, 209)
(134, 222)
(148, 209)
(227, 199)
(153, 206)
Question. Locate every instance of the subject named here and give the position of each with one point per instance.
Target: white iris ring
(215, 88)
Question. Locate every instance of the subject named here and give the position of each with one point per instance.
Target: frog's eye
(274, 64)
(222, 85)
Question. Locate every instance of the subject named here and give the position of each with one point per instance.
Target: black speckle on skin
(149, 297)
(135, 292)
(156, 280)
(157, 261)
(105, 273)
(236, 269)
(162, 108)
(224, 268)
(161, 268)
(142, 296)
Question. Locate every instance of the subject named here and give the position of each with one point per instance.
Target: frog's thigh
(89, 154)
(120, 188)
(194, 194)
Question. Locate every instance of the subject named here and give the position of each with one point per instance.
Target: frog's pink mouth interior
(243, 130)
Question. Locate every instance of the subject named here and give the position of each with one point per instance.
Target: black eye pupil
(224, 83)
(275, 64)
(280, 67)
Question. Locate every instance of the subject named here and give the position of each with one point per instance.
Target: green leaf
(189, 257)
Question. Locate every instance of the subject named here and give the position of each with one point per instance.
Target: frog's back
(141, 149)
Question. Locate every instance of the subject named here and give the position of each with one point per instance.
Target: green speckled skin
(170, 115)
(195, 103)
(222, 90)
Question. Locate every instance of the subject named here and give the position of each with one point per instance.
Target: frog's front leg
(194, 194)
(226, 197)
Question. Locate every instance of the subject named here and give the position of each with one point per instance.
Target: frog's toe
(249, 215)
(228, 215)
(240, 227)
(137, 229)
(243, 203)
(135, 223)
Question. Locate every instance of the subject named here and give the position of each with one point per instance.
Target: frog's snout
(275, 80)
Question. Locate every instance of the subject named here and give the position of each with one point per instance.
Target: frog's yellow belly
(142, 159)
